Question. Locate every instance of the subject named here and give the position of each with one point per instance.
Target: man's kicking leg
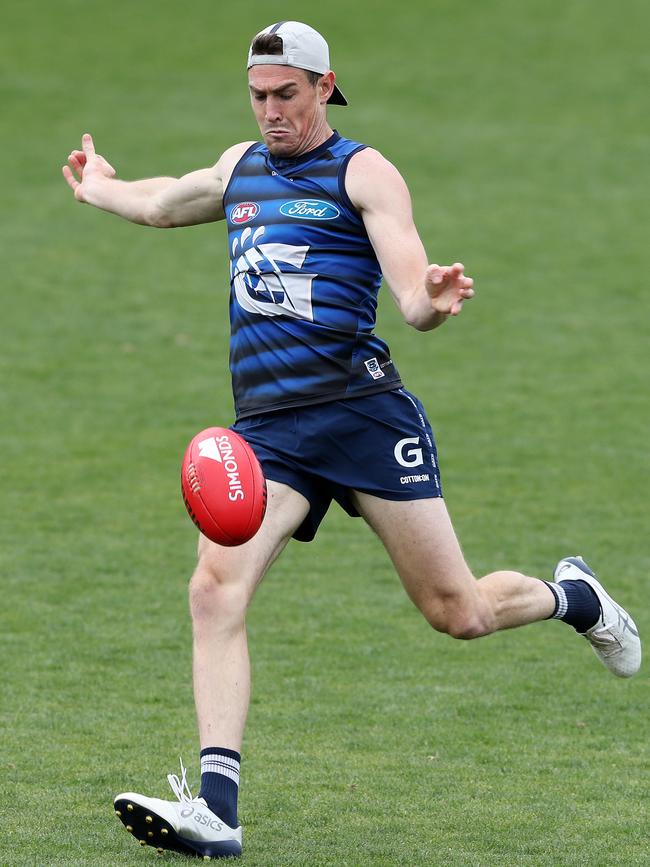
(221, 589)
(421, 542)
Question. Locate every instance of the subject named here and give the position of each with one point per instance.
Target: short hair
(271, 43)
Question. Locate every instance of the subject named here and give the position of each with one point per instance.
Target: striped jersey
(304, 280)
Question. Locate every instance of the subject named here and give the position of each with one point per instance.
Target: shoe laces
(179, 786)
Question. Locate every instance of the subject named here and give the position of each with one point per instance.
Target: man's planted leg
(221, 589)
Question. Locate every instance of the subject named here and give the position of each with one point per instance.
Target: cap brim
(337, 98)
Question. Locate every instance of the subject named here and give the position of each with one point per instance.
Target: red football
(223, 486)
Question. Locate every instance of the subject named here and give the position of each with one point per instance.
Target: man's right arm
(163, 202)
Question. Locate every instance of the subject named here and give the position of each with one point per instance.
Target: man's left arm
(425, 294)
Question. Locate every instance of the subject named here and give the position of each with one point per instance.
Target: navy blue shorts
(381, 444)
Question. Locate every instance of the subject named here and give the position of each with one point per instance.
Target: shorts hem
(401, 496)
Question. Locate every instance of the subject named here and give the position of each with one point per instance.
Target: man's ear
(326, 86)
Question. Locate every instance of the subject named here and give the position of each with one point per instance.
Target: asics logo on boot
(624, 619)
(201, 818)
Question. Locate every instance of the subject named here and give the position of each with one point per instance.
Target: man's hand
(447, 287)
(84, 166)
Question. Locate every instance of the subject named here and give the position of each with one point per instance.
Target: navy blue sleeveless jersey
(304, 280)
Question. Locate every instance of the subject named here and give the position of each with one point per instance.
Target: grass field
(523, 132)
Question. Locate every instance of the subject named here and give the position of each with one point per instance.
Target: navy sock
(575, 603)
(220, 782)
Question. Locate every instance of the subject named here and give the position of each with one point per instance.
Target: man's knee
(460, 618)
(216, 598)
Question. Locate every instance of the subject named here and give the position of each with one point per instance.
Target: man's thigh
(420, 539)
(245, 565)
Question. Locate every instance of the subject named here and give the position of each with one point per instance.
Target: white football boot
(614, 637)
(186, 825)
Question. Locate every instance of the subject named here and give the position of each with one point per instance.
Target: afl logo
(310, 209)
(244, 212)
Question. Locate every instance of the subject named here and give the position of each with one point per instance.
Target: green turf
(523, 131)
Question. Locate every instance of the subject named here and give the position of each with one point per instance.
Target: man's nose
(273, 110)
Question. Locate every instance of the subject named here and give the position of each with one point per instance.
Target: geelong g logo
(410, 458)
(244, 212)
(310, 209)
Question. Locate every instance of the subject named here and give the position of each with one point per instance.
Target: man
(314, 220)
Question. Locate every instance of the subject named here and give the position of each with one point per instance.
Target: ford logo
(310, 209)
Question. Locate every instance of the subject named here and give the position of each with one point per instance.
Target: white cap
(302, 47)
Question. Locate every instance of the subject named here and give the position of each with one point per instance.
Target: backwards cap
(302, 47)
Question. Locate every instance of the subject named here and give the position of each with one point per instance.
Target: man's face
(289, 110)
